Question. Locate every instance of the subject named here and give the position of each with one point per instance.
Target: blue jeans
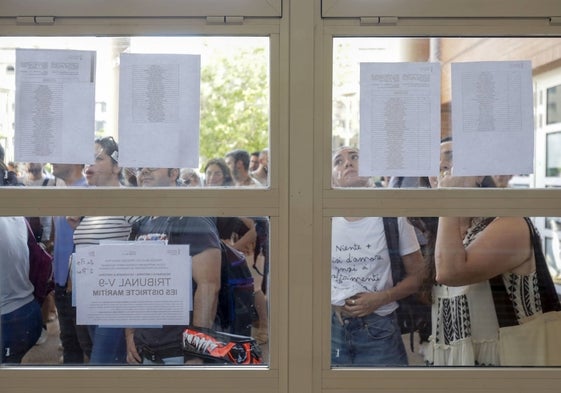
(176, 360)
(109, 345)
(372, 340)
(20, 331)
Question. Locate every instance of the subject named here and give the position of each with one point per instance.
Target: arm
(501, 247)
(415, 272)
(247, 241)
(366, 303)
(206, 273)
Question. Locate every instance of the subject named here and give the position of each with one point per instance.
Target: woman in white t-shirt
(364, 329)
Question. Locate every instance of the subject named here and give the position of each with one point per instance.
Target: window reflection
(553, 144)
(553, 105)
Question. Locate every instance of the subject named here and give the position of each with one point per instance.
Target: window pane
(234, 104)
(132, 293)
(553, 105)
(553, 143)
(397, 302)
(349, 53)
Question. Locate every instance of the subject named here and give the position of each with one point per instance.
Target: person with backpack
(364, 296)
(162, 345)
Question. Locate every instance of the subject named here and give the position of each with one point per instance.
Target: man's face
(253, 163)
(63, 171)
(345, 169)
(233, 165)
(156, 177)
(103, 171)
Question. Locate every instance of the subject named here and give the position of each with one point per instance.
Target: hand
(73, 221)
(447, 180)
(133, 357)
(365, 303)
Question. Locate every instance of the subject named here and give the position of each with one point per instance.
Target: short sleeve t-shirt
(201, 234)
(360, 260)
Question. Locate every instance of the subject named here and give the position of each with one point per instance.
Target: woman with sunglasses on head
(108, 344)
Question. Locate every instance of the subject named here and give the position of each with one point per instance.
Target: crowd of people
(22, 321)
(449, 263)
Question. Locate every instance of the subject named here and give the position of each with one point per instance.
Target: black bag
(412, 315)
(219, 347)
(236, 308)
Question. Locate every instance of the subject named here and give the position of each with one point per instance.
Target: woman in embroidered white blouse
(469, 251)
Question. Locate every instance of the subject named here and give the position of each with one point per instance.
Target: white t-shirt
(360, 260)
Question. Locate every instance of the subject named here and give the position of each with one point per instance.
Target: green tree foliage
(234, 103)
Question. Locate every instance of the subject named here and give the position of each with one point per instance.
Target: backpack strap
(45, 182)
(392, 239)
(404, 312)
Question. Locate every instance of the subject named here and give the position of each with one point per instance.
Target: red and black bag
(219, 347)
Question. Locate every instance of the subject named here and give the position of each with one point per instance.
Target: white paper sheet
(399, 119)
(492, 118)
(133, 285)
(159, 110)
(55, 105)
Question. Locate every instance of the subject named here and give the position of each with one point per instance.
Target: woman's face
(214, 176)
(103, 172)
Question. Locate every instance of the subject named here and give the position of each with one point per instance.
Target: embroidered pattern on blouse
(453, 322)
(523, 291)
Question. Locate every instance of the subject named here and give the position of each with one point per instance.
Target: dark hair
(228, 181)
(110, 147)
(240, 155)
(7, 177)
(487, 182)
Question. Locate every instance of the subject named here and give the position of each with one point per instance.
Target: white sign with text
(133, 285)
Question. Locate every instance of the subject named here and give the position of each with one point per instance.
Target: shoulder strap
(45, 182)
(548, 296)
(392, 239)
